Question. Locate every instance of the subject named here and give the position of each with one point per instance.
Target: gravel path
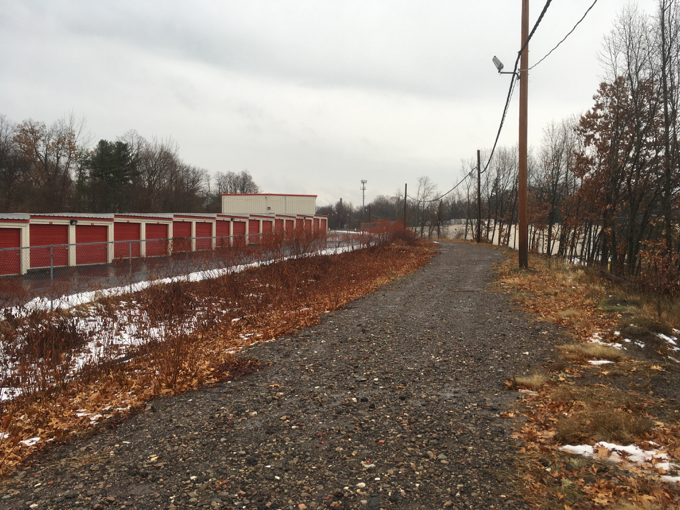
(392, 402)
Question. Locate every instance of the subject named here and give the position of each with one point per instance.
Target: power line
(505, 109)
(566, 36)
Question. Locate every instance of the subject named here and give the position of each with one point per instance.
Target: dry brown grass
(569, 313)
(604, 423)
(640, 505)
(534, 381)
(585, 405)
(591, 351)
(268, 301)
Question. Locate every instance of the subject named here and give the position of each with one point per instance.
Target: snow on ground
(596, 338)
(31, 441)
(631, 454)
(112, 337)
(671, 340)
(70, 301)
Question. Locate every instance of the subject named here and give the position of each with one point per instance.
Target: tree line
(604, 187)
(50, 168)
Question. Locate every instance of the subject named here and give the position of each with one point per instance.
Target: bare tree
(232, 182)
(53, 153)
(14, 169)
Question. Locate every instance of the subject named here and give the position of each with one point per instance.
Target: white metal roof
(15, 216)
(108, 216)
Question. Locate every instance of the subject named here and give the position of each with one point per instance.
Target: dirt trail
(393, 402)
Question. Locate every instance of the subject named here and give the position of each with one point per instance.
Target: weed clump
(533, 382)
(601, 424)
(590, 351)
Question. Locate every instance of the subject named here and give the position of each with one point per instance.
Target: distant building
(268, 203)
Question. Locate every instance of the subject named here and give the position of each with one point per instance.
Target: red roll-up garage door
(48, 235)
(316, 224)
(203, 236)
(156, 240)
(253, 231)
(222, 232)
(308, 225)
(266, 227)
(10, 259)
(126, 232)
(239, 233)
(181, 236)
(290, 225)
(91, 253)
(278, 225)
(323, 225)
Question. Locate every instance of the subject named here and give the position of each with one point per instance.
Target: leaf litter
(596, 400)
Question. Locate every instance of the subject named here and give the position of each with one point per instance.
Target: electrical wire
(511, 89)
(566, 36)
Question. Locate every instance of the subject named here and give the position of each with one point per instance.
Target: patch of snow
(599, 361)
(625, 454)
(30, 442)
(669, 339)
(596, 338)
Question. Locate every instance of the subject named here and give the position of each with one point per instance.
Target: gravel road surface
(392, 402)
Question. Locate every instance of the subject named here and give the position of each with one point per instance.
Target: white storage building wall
(267, 203)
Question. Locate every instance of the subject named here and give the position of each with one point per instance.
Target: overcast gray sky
(308, 96)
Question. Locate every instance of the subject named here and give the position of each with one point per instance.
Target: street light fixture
(499, 66)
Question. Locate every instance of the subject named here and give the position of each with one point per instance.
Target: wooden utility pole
(479, 198)
(405, 189)
(523, 100)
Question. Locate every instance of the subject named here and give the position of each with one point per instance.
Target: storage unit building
(127, 237)
(92, 241)
(157, 239)
(196, 231)
(268, 203)
(14, 234)
(131, 232)
(204, 234)
(53, 238)
(253, 230)
(92, 235)
(239, 226)
(289, 224)
(222, 231)
(267, 226)
(230, 229)
(181, 235)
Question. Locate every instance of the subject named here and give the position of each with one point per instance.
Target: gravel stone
(399, 394)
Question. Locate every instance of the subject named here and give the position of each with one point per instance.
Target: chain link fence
(50, 272)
